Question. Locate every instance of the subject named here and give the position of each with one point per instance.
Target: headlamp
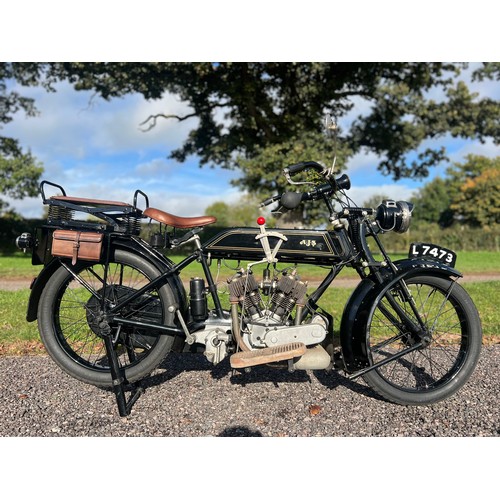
(394, 215)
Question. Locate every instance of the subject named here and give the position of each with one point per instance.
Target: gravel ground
(188, 397)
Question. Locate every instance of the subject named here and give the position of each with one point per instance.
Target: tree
(375, 200)
(19, 171)
(469, 194)
(19, 177)
(11, 102)
(260, 117)
(243, 213)
(475, 190)
(479, 199)
(432, 203)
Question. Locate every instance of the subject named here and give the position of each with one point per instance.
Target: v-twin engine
(267, 310)
(284, 294)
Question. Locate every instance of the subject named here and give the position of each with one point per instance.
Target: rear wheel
(70, 319)
(445, 331)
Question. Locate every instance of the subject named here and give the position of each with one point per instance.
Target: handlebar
(270, 200)
(303, 165)
(341, 182)
(292, 200)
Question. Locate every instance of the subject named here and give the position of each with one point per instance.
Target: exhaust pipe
(315, 358)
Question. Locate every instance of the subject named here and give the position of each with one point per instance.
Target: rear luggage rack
(122, 217)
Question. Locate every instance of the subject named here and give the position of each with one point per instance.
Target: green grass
(20, 267)
(478, 262)
(486, 297)
(17, 266)
(19, 337)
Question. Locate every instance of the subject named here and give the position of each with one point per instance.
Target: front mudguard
(353, 328)
(131, 245)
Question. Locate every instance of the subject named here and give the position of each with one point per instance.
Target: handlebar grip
(270, 200)
(299, 167)
(291, 200)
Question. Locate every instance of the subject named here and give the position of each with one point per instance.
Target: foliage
(242, 213)
(262, 116)
(19, 177)
(432, 203)
(475, 190)
(19, 171)
(469, 194)
(11, 102)
(479, 199)
(456, 237)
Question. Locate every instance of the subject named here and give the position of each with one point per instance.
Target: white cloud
(30, 208)
(73, 124)
(191, 205)
(488, 149)
(157, 166)
(397, 192)
(362, 161)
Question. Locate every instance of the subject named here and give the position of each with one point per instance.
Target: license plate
(433, 252)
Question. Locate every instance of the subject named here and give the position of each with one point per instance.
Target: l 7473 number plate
(433, 252)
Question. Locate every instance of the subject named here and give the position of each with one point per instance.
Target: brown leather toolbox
(76, 244)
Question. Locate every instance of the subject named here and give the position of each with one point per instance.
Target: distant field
(19, 267)
(17, 336)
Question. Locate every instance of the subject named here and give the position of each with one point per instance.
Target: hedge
(458, 238)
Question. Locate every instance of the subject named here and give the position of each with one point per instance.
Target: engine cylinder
(245, 290)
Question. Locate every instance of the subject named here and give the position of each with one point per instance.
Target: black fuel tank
(301, 245)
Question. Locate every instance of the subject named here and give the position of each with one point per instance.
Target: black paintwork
(301, 246)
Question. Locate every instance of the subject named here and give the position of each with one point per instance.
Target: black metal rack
(121, 217)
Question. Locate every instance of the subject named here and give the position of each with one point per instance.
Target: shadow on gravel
(172, 366)
(176, 363)
(330, 380)
(334, 379)
(239, 432)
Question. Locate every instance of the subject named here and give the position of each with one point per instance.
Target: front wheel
(70, 314)
(437, 318)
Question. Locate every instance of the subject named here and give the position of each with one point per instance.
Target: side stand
(124, 406)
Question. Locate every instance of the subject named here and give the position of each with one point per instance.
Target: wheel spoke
(80, 307)
(446, 329)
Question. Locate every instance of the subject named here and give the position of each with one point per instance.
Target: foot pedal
(244, 359)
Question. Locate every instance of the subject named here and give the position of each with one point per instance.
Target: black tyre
(68, 319)
(451, 338)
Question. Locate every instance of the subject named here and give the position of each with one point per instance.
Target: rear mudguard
(353, 328)
(132, 245)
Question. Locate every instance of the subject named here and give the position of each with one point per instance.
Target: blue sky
(95, 148)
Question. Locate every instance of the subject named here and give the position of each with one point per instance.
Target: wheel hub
(143, 308)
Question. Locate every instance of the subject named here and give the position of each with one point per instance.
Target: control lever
(264, 241)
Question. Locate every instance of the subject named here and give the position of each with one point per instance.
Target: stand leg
(124, 407)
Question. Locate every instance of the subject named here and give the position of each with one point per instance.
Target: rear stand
(124, 406)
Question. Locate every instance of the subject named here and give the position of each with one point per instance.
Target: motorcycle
(111, 306)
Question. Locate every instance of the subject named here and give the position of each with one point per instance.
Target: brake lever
(293, 183)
